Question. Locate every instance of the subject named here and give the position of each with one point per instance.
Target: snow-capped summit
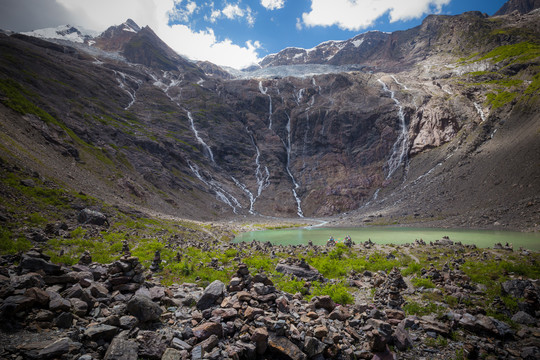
(76, 34)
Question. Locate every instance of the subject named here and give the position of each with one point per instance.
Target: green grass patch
(11, 245)
(421, 282)
(521, 52)
(339, 292)
(499, 99)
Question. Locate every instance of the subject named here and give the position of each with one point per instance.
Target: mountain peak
(522, 6)
(63, 32)
(131, 25)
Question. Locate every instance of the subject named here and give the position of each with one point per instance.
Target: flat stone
(309, 274)
(171, 354)
(35, 264)
(225, 314)
(16, 303)
(320, 331)
(209, 344)
(39, 296)
(78, 307)
(64, 320)
(59, 347)
(204, 331)
(26, 281)
(106, 332)
(285, 348)
(180, 344)
(260, 338)
(122, 349)
(324, 302)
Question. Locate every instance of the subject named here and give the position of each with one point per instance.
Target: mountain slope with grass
(436, 124)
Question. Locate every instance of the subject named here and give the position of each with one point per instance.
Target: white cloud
(360, 14)
(197, 45)
(232, 11)
(299, 25)
(183, 14)
(214, 16)
(273, 4)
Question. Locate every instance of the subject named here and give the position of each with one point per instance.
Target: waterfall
(288, 167)
(249, 194)
(264, 91)
(400, 84)
(262, 181)
(480, 111)
(199, 139)
(399, 150)
(221, 194)
(121, 78)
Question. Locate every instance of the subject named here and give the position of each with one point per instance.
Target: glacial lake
(392, 235)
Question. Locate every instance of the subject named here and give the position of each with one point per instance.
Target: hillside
(436, 123)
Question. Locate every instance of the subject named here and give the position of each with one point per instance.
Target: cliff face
(147, 128)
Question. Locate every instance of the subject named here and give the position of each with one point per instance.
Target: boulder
(152, 344)
(298, 271)
(59, 348)
(122, 349)
(97, 332)
(282, 347)
(31, 263)
(324, 302)
(313, 346)
(260, 338)
(211, 295)
(204, 331)
(521, 317)
(87, 216)
(143, 308)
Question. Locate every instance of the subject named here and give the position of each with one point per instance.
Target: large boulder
(87, 216)
(143, 308)
(211, 295)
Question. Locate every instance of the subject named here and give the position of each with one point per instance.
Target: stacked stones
(126, 274)
(109, 312)
(389, 293)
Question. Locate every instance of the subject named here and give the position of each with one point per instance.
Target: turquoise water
(393, 235)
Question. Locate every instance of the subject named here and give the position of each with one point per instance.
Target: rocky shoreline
(121, 311)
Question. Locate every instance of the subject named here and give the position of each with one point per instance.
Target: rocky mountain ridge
(139, 125)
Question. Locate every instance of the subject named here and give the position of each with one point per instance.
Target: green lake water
(393, 235)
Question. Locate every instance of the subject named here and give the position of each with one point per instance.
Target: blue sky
(237, 33)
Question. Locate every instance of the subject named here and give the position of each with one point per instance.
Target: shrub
(9, 245)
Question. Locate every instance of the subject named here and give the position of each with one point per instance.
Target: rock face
(314, 145)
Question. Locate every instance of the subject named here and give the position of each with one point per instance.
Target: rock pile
(117, 312)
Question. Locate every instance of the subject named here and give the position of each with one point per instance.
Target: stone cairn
(389, 293)
(156, 263)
